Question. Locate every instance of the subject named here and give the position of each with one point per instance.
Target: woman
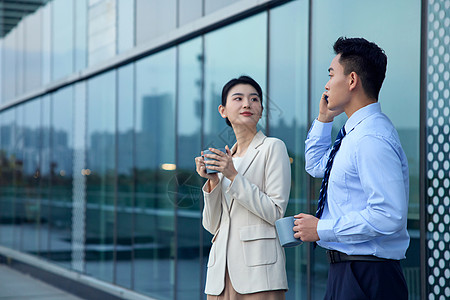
(243, 201)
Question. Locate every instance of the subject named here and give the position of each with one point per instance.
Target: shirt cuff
(321, 129)
(325, 230)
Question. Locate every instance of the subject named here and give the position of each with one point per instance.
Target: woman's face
(243, 106)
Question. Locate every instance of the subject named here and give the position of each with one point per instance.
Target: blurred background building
(105, 103)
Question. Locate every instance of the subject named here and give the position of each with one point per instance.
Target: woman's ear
(222, 111)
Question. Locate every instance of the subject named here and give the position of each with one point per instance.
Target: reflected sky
(371, 20)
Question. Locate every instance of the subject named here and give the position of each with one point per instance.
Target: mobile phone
(326, 98)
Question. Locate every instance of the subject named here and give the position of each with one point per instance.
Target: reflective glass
(45, 175)
(154, 18)
(29, 192)
(188, 197)
(61, 160)
(46, 42)
(125, 176)
(8, 162)
(213, 5)
(20, 50)
(362, 18)
(19, 207)
(8, 67)
(230, 52)
(62, 38)
(102, 31)
(81, 25)
(33, 48)
(125, 25)
(80, 175)
(189, 10)
(154, 167)
(100, 182)
(287, 103)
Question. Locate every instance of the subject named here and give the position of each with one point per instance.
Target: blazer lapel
(251, 153)
(249, 156)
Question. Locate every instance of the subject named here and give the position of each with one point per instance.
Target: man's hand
(306, 228)
(325, 114)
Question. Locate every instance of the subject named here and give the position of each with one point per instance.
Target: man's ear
(353, 80)
(221, 109)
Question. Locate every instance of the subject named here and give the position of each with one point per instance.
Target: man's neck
(357, 103)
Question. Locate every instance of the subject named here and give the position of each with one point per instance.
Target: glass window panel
(81, 25)
(155, 160)
(7, 140)
(33, 47)
(1, 69)
(188, 196)
(61, 162)
(29, 193)
(213, 5)
(45, 175)
(154, 18)
(100, 189)
(62, 38)
(288, 116)
(230, 52)
(125, 25)
(125, 176)
(46, 42)
(189, 10)
(19, 200)
(9, 66)
(102, 30)
(20, 50)
(403, 21)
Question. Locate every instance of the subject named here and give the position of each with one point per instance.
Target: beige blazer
(245, 238)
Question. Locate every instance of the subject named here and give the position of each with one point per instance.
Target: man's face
(338, 86)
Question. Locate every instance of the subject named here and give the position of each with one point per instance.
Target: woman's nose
(245, 102)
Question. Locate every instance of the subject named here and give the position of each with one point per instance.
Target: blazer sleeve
(270, 204)
(212, 211)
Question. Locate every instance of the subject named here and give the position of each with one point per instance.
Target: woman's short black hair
(241, 80)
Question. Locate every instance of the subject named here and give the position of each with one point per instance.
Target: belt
(334, 257)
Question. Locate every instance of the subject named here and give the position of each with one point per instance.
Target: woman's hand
(201, 170)
(223, 163)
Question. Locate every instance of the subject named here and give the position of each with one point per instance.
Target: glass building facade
(105, 103)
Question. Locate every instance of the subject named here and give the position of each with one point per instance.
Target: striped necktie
(324, 187)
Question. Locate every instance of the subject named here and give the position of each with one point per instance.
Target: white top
(226, 182)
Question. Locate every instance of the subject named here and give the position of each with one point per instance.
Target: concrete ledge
(75, 283)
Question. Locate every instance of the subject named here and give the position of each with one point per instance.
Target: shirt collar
(359, 115)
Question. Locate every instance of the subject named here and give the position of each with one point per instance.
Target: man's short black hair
(365, 59)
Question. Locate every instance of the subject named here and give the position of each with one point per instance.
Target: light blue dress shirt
(368, 189)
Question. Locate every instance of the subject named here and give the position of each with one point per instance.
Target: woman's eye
(255, 99)
(238, 98)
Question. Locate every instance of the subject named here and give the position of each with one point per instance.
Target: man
(363, 203)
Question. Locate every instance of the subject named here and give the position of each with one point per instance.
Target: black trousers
(360, 280)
